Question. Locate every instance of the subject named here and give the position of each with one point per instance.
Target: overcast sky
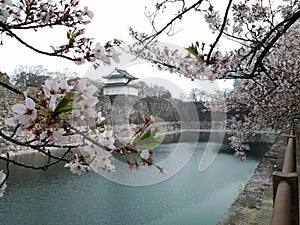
(112, 20)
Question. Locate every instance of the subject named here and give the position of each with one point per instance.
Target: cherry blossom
(66, 118)
(13, 121)
(64, 86)
(111, 52)
(99, 53)
(145, 154)
(75, 166)
(54, 137)
(107, 139)
(87, 107)
(263, 59)
(51, 89)
(86, 90)
(88, 12)
(100, 118)
(35, 15)
(59, 115)
(25, 114)
(4, 13)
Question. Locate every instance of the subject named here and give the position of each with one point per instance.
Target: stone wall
(254, 204)
(133, 110)
(124, 114)
(7, 99)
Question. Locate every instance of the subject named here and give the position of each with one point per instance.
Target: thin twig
(43, 167)
(220, 33)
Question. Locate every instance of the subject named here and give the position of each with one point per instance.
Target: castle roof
(118, 73)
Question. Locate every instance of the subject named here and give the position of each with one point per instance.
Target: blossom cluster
(65, 117)
(34, 15)
(264, 64)
(44, 12)
(146, 138)
(61, 113)
(173, 60)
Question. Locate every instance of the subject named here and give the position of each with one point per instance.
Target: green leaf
(211, 8)
(146, 135)
(66, 108)
(151, 143)
(63, 105)
(74, 35)
(193, 49)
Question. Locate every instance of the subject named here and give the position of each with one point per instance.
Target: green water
(189, 197)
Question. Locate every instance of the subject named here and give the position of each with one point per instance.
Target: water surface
(189, 197)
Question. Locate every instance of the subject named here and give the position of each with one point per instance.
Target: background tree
(195, 94)
(143, 88)
(36, 75)
(152, 90)
(183, 96)
(64, 74)
(32, 76)
(4, 77)
(158, 91)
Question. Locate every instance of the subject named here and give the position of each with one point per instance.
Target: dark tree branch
(27, 26)
(7, 171)
(35, 146)
(272, 42)
(220, 32)
(12, 34)
(43, 167)
(177, 17)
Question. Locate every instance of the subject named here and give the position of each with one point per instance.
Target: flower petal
(19, 109)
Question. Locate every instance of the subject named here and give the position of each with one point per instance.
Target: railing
(285, 187)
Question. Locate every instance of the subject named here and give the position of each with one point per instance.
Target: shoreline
(254, 205)
(200, 135)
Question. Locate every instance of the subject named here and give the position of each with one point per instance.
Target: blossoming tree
(265, 62)
(61, 116)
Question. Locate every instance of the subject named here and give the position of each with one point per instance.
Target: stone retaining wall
(7, 100)
(254, 204)
(124, 114)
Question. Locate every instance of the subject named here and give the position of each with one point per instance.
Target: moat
(186, 196)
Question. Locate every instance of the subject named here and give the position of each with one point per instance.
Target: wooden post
(285, 187)
(290, 179)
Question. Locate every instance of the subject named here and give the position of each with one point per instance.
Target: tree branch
(7, 171)
(12, 34)
(177, 17)
(43, 167)
(262, 55)
(220, 33)
(35, 147)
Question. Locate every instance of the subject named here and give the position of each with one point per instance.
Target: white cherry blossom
(100, 118)
(145, 154)
(75, 166)
(107, 139)
(86, 90)
(64, 87)
(88, 12)
(26, 114)
(51, 89)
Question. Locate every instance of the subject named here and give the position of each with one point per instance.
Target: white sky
(112, 20)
